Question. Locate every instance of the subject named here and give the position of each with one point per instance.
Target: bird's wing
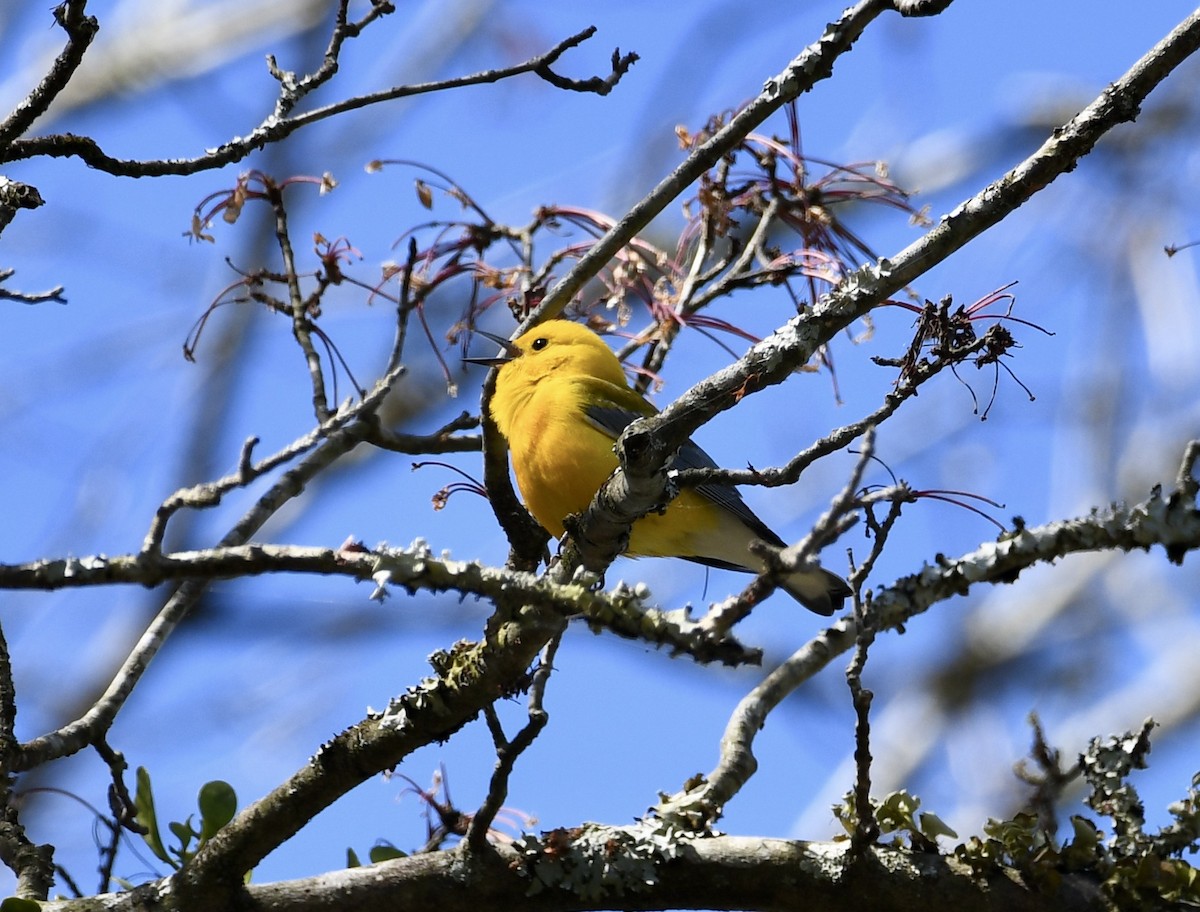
(610, 420)
(725, 496)
(610, 408)
(613, 409)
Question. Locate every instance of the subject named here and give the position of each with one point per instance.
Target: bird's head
(553, 349)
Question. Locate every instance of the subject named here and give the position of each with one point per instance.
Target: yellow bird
(561, 401)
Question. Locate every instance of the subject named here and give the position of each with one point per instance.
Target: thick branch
(728, 872)
(471, 677)
(623, 610)
(31, 863)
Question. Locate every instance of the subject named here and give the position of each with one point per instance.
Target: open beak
(510, 351)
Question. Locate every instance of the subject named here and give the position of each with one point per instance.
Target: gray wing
(723, 495)
(612, 420)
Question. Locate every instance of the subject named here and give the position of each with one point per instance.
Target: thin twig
(272, 129)
(1186, 482)
(829, 526)
(293, 90)
(404, 305)
(508, 750)
(836, 440)
(9, 189)
(866, 828)
(14, 196)
(444, 440)
(80, 31)
(121, 805)
(301, 326)
(210, 494)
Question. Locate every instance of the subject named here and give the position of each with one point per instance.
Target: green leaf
(1087, 837)
(352, 859)
(184, 833)
(385, 852)
(218, 804)
(896, 810)
(20, 904)
(143, 802)
(933, 826)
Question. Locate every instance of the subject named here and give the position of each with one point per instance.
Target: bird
(561, 401)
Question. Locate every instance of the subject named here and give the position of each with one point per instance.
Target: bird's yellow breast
(561, 459)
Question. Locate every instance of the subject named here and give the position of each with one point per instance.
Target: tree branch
(906, 388)
(32, 864)
(293, 90)
(726, 872)
(14, 196)
(624, 610)
(272, 129)
(509, 749)
(470, 677)
(80, 31)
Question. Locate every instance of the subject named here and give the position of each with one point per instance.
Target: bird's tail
(817, 589)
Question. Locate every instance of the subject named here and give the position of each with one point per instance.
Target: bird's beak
(510, 351)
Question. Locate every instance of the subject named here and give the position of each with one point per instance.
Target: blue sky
(98, 403)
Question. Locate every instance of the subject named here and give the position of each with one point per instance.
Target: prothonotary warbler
(561, 401)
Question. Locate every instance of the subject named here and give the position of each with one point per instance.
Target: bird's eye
(540, 343)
